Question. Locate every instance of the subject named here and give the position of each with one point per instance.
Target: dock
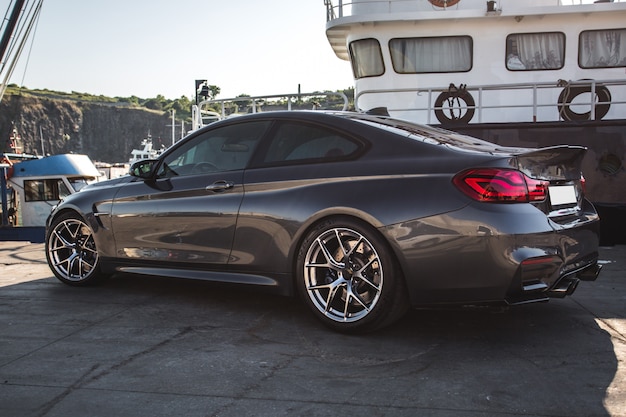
(149, 347)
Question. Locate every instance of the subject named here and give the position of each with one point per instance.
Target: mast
(16, 32)
(12, 23)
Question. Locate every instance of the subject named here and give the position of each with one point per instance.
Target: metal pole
(173, 126)
(43, 151)
(534, 103)
(592, 115)
(3, 191)
(8, 32)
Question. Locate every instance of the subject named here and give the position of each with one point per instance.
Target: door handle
(219, 186)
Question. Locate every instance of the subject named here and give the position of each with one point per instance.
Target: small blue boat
(31, 186)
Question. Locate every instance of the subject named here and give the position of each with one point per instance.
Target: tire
(354, 287)
(568, 94)
(71, 251)
(449, 98)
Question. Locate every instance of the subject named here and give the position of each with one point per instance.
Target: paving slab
(145, 346)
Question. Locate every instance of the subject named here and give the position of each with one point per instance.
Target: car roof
(404, 128)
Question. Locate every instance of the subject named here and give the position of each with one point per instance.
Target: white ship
(530, 73)
(147, 152)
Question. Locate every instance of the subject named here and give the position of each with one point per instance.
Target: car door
(288, 182)
(187, 211)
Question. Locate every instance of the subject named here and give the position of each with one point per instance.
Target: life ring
(454, 98)
(569, 93)
(443, 3)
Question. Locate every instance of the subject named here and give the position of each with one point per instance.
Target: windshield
(78, 183)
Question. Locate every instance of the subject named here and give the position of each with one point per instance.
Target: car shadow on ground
(231, 350)
(542, 359)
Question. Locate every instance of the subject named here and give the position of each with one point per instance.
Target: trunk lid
(561, 167)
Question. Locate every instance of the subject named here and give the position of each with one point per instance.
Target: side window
(294, 142)
(445, 54)
(602, 48)
(535, 51)
(45, 190)
(222, 149)
(366, 58)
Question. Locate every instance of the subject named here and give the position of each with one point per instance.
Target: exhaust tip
(590, 273)
(565, 287)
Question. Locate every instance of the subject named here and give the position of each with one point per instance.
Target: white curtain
(603, 48)
(367, 58)
(423, 55)
(540, 51)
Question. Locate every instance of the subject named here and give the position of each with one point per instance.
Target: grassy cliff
(104, 129)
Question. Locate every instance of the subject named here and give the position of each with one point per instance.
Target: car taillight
(500, 186)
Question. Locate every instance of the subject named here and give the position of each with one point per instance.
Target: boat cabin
(31, 186)
(501, 61)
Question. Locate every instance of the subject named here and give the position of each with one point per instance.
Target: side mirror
(143, 169)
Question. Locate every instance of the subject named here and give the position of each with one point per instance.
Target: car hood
(108, 183)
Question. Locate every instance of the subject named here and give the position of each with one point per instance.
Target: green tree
(157, 103)
(214, 92)
(182, 106)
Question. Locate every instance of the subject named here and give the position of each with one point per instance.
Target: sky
(143, 48)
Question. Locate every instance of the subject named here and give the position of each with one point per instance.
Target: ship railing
(336, 9)
(531, 102)
(208, 111)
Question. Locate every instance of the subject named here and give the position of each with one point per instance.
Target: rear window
(428, 134)
(300, 142)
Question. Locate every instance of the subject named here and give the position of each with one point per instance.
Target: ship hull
(603, 166)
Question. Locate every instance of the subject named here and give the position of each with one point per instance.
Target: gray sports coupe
(364, 216)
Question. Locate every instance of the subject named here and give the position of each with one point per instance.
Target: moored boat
(147, 152)
(531, 73)
(30, 186)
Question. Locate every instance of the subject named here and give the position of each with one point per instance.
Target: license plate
(561, 195)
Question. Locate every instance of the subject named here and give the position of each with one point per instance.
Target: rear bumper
(535, 288)
(514, 255)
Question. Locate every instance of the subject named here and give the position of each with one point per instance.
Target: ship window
(45, 190)
(367, 58)
(431, 55)
(78, 183)
(602, 48)
(535, 51)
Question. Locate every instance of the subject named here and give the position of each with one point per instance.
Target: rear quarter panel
(280, 204)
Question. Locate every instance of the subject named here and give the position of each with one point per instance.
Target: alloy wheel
(71, 251)
(343, 275)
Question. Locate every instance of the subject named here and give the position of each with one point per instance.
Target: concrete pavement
(140, 346)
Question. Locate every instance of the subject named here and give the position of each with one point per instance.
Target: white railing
(336, 9)
(204, 112)
(567, 100)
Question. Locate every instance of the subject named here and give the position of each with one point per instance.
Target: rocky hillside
(104, 132)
